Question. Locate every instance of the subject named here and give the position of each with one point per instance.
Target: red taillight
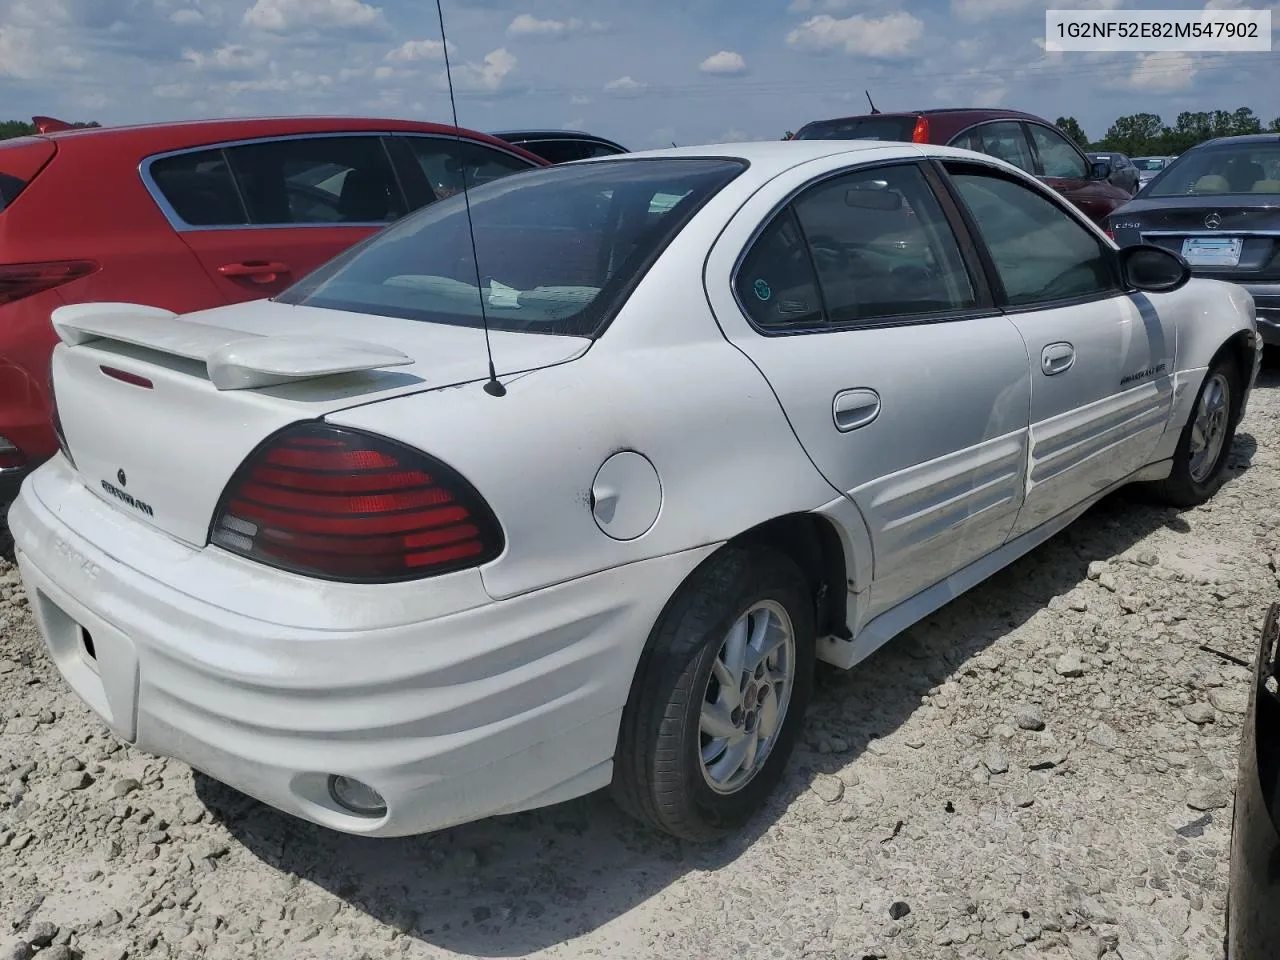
(18, 280)
(11, 457)
(921, 132)
(1111, 234)
(341, 504)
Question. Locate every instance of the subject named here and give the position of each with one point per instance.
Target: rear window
(860, 128)
(1248, 167)
(558, 248)
(20, 160)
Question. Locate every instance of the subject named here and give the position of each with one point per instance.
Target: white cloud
(1163, 72)
(412, 50)
(578, 100)
(526, 25)
(233, 56)
(624, 86)
(825, 6)
(23, 57)
(734, 135)
(186, 18)
(173, 91)
(282, 15)
(579, 123)
(486, 77)
(889, 36)
(725, 62)
(975, 11)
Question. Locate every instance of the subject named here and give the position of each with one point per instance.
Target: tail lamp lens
(20, 280)
(342, 504)
(921, 132)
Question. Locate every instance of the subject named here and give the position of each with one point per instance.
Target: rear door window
(556, 151)
(199, 188)
(317, 180)
(860, 128)
(445, 161)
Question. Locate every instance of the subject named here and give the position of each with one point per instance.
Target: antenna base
(495, 389)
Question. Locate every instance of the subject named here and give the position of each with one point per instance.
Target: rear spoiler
(51, 125)
(234, 359)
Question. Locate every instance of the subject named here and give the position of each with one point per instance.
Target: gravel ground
(1043, 769)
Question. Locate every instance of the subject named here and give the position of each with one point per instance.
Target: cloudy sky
(645, 73)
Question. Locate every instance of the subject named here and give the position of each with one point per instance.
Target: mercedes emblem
(1213, 221)
(123, 480)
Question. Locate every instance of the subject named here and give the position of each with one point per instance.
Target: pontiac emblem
(1213, 221)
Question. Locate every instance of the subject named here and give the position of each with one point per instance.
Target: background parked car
(562, 146)
(1148, 167)
(1218, 205)
(1253, 899)
(187, 216)
(1123, 172)
(1023, 139)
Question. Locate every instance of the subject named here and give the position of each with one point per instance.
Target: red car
(1023, 139)
(189, 216)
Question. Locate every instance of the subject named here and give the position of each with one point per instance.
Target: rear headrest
(1212, 183)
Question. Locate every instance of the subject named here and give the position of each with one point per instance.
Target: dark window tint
(1041, 253)
(317, 180)
(21, 159)
(600, 150)
(859, 128)
(445, 162)
(776, 283)
(556, 151)
(200, 189)
(1058, 158)
(558, 248)
(882, 246)
(969, 140)
(1241, 167)
(1004, 139)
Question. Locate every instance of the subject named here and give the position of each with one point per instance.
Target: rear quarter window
(21, 159)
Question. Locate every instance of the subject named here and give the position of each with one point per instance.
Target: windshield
(1227, 168)
(1149, 163)
(860, 128)
(558, 248)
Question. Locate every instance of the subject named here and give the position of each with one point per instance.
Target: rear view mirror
(1100, 170)
(1153, 269)
(870, 198)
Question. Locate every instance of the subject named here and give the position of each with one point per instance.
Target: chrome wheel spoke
(730, 683)
(730, 761)
(716, 721)
(735, 648)
(770, 717)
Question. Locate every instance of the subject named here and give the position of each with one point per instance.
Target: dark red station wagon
(1023, 139)
(189, 216)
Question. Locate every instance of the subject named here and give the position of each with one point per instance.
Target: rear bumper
(497, 707)
(1253, 922)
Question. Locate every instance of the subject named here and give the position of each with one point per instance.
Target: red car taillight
(19, 280)
(10, 456)
(921, 132)
(341, 504)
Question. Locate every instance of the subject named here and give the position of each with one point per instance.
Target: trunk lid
(1223, 236)
(158, 411)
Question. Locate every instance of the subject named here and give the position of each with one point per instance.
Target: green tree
(1133, 134)
(1071, 127)
(21, 128)
(1274, 126)
(1243, 121)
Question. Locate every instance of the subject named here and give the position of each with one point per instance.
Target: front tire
(1200, 460)
(719, 696)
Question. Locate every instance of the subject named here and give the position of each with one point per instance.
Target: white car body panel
(500, 688)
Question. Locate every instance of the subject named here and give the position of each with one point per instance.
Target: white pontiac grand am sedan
(752, 406)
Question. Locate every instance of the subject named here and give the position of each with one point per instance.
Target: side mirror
(1100, 170)
(1153, 269)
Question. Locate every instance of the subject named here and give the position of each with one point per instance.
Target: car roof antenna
(492, 386)
(873, 106)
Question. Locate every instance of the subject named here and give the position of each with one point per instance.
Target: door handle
(852, 409)
(1057, 358)
(256, 271)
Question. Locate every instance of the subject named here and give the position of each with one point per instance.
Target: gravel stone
(1070, 664)
(1198, 713)
(1208, 798)
(74, 781)
(828, 788)
(41, 934)
(1030, 717)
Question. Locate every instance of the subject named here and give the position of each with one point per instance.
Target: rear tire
(669, 771)
(1200, 459)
